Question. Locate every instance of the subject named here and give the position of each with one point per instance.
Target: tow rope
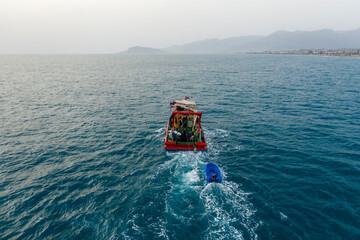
(207, 215)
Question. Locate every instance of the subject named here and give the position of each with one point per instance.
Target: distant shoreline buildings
(343, 52)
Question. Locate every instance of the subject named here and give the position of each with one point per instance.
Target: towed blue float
(212, 173)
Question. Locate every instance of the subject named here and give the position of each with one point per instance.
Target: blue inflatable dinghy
(212, 173)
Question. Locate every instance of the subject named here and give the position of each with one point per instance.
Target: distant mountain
(142, 50)
(281, 40)
(212, 45)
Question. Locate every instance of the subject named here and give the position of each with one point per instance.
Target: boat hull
(210, 169)
(183, 130)
(172, 146)
(176, 146)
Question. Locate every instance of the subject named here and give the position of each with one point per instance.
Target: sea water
(82, 153)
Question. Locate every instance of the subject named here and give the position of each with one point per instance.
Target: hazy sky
(108, 26)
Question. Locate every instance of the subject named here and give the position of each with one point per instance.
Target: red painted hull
(173, 146)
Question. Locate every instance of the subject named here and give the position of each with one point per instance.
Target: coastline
(348, 53)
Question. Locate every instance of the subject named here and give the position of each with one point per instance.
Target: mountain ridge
(276, 41)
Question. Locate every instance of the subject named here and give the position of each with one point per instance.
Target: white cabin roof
(185, 102)
(189, 105)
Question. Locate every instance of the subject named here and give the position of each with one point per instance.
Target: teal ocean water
(82, 154)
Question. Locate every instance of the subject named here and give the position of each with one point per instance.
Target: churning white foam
(160, 132)
(230, 213)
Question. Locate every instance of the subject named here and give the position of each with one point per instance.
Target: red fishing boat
(184, 131)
